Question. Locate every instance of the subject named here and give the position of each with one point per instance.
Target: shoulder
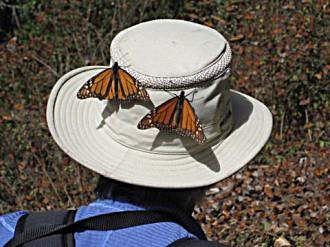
(7, 225)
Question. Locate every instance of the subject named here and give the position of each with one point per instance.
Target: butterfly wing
(189, 124)
(170, 116)
(128, 87)
(111, 85)
(99, 86)
(161, 117)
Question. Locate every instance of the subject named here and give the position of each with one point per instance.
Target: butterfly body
(176, 119)
(115, 69)
(175, 115)
(114, 84)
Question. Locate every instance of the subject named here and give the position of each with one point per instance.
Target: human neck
(165, 204)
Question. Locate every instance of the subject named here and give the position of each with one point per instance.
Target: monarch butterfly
(113, 84)
(176, 115)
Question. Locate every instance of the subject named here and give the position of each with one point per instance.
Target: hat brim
(75, 126)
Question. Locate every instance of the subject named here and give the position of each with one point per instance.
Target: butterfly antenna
(193, 95)
(173, 94)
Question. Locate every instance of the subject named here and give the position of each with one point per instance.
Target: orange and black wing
(169, 116)
(113, 86)
(99, 86)
(189, 123)
(162, 117)
(128, 87)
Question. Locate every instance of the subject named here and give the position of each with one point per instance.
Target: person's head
(185, 199)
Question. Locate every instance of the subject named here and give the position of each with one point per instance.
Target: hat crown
(171, 53)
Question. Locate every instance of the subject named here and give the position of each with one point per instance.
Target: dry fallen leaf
(238, 37)
(249, 16)
(21, 165)
(268, 191)
(19, 106)
(281, 242)
(318, 76)
(7, 117)
(29, 197)
(277, 30)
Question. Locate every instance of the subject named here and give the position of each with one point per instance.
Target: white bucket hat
(166, 57)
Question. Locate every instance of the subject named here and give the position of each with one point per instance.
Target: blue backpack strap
(31, 220)
(56, 228)
(194, 242)
(43, 232)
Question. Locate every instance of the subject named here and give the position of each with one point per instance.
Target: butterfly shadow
(129, 104)
(206, 157)
(113, 107)
(241, 111)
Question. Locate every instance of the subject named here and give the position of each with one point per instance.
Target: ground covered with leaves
(280, 56)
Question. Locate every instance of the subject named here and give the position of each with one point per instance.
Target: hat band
(219, 68)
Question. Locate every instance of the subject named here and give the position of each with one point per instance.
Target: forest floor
(280, 56)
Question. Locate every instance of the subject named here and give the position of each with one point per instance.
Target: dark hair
(185, 199)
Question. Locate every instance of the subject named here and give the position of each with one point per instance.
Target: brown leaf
(281, 242)
(21, 165)
(304, 101)
(11, 156)
(299, 220)
(19, 106)
(193, 16)
(308, 125)
(278, 136)
(277, 30)
(45, 200)
(29, 197)
(321, 171)
(318, 76)
(248, 16)
(7, 117)
(238, 37)
(268, 191)
(40, 17)
(23, 177)
(230, 8)
(218, 19)
(250, 211)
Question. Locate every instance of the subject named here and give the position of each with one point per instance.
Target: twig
(79, 179)
(16, 17)
(281, 126)
(78, 48)
(145, 3)
(38, 59)
(68, 195)
(87, 19)
(18, 6)
(101, 42)
(309, 132)
(67, 60)
(58, 173)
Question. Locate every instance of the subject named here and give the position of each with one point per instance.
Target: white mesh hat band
(218, 69)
